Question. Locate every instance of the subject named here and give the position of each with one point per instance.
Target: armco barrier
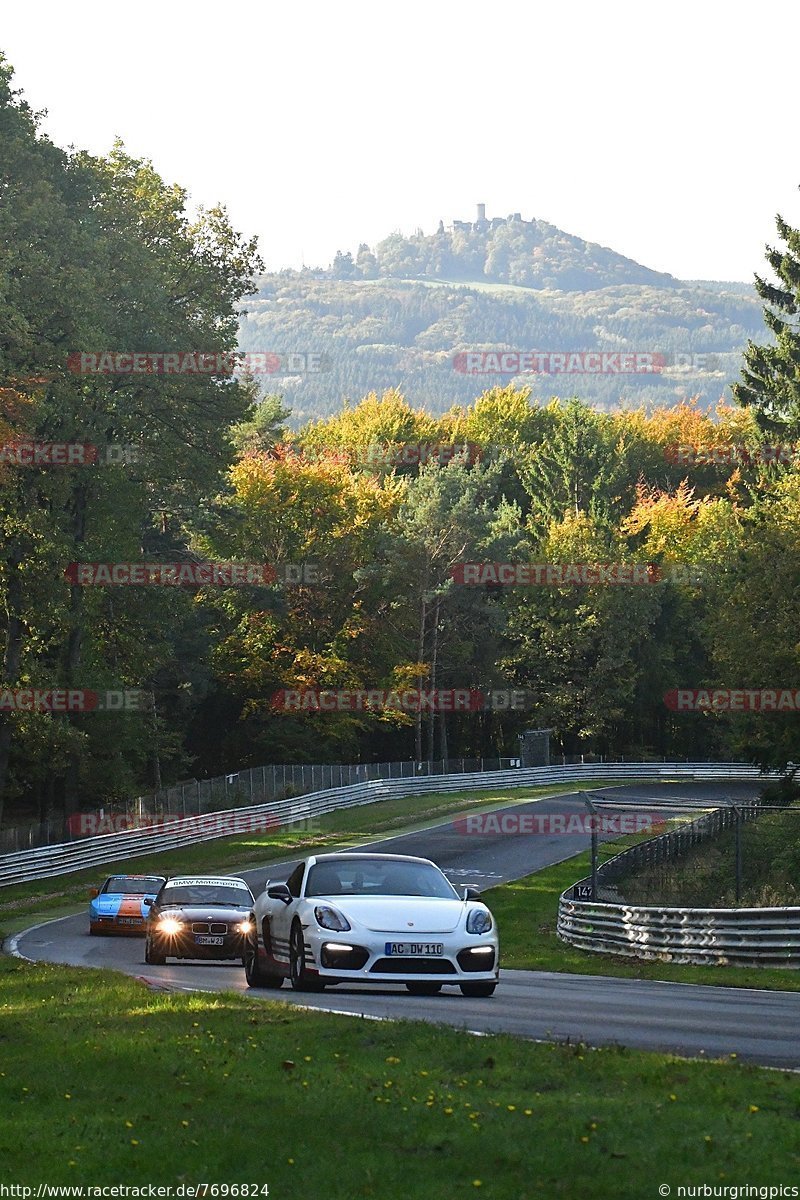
(63, 859)
(767, 937)
(242, 789)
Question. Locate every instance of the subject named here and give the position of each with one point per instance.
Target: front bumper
(127, 926)
(183, 945)
(365, 960)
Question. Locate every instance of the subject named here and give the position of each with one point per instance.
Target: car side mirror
(93, 892)
(148, 901)
(279, 891)
(472, 893)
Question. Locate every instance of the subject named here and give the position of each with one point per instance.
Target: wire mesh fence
(254, 785)
(743, 853)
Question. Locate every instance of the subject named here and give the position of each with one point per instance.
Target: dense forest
(402, 315)
(365, 518)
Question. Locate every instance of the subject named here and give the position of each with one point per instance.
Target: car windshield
(206, 894)
(133, 887)
(376, 877)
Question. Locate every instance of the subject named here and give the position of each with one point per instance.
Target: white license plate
(414, 949)
(130, 920)
(202, 939)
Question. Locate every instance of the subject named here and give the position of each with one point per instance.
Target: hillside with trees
(400, 316)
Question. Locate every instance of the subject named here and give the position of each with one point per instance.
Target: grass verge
(105, 1082)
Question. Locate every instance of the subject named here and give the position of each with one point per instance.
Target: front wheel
(422, 987)
(302, 980)
(253, 971)
(477, 989)
(153, 958)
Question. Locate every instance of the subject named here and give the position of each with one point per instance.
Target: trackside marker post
(593, 812)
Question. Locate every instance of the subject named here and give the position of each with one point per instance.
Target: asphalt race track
(761, 1027)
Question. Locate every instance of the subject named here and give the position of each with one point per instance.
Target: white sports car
(371, 918)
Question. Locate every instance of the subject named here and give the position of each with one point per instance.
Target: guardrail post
(593, 816)
(738, 842)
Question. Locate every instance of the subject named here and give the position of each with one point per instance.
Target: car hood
(201, 912)
(400, 914)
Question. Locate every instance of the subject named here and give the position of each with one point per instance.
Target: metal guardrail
(244, 788)
(701, 936)
(49, 861)
(767, 937)
(236, 789)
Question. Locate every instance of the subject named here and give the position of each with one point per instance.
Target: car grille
(412, 966)
(209, 927)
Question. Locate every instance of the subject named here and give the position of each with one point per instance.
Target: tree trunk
(12, 656)
(423, 615)
(434, 667)
(72, 658)
(156, 757)
(443, 737)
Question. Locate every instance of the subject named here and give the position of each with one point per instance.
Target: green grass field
(103, 1081)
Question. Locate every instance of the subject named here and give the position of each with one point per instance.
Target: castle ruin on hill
(482, 224)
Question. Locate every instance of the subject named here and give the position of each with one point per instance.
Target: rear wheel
(254, 973)
(153, 957)
(422, 987)
(478, 989)
(302, 980)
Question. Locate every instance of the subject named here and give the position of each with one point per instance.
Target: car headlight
(479, 921)
(330, 918)
(169, 926)
(244, 927)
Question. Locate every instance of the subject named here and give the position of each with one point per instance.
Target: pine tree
(771, 373)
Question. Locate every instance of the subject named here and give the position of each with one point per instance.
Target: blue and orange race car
(118, 906)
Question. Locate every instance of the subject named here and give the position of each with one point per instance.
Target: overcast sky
(651, 128)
